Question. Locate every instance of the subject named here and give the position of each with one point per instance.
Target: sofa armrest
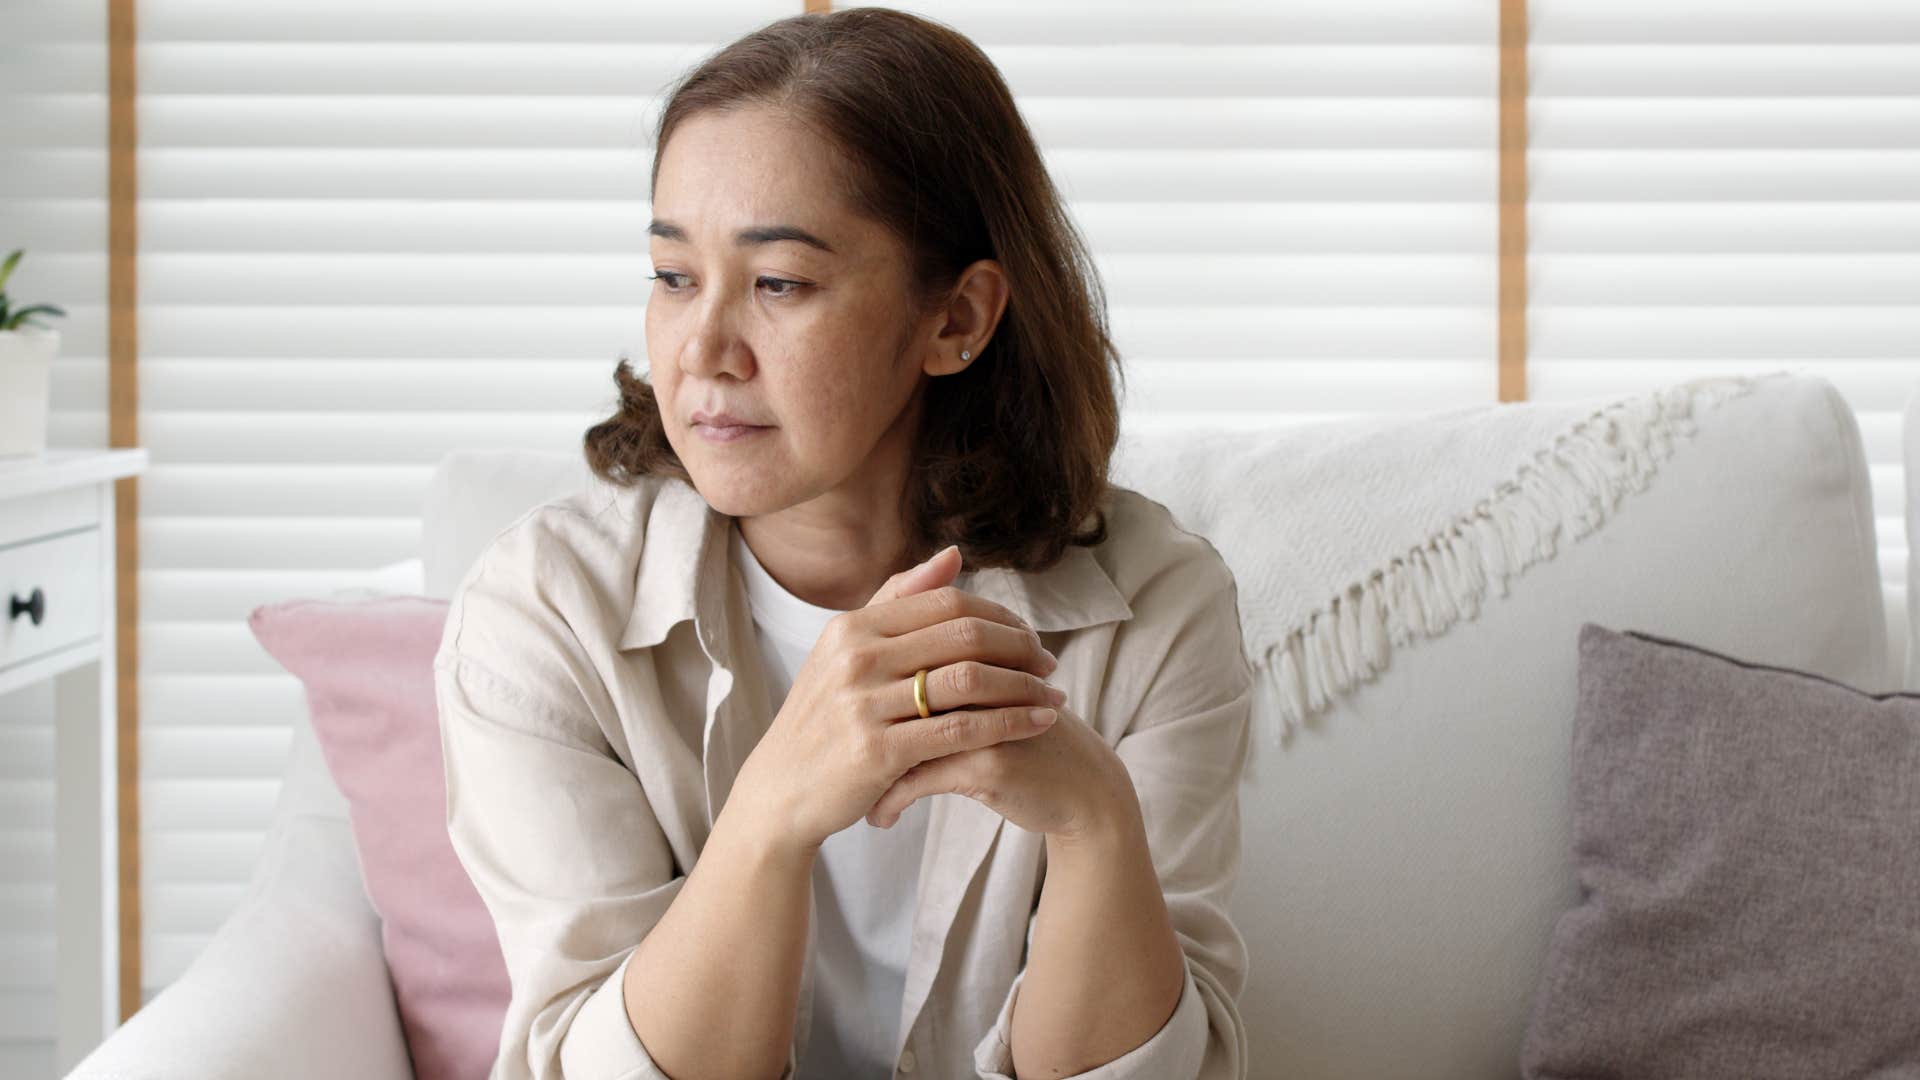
(293, 985)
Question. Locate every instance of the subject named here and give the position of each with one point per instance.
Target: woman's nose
(712, 346)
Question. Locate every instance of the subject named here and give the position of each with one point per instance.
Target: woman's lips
(729, 433)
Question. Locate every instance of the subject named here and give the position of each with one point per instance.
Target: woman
(751, 783)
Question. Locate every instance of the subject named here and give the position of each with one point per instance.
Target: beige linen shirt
(599, 688)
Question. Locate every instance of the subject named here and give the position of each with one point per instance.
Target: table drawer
(65, 568)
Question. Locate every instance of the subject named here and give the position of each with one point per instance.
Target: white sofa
(1406, 852)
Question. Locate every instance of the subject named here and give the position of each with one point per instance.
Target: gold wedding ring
(920, 692)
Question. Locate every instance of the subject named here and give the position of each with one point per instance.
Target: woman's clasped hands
(849, 742)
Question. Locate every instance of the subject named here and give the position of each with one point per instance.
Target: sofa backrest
(1406, 853)
(476, 493)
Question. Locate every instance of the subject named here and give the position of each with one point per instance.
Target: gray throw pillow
(1747, 842)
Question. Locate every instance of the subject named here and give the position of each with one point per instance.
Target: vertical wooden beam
(123, 430)
(1513, 200)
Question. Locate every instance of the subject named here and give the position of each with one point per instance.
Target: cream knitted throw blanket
(1350, 538)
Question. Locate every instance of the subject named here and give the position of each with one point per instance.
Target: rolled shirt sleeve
(1185, 748)
(565, 851)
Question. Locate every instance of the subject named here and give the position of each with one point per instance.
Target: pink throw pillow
(368, 670)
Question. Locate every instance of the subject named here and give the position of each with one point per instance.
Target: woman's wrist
(762, 830)
(1110, 817)
(761, 839)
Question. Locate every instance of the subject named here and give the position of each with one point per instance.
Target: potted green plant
(27, 349)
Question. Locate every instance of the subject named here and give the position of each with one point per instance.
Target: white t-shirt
(865, 879)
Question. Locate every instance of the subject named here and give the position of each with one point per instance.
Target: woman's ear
(979, 300)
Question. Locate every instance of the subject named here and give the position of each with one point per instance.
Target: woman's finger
(919, 740)
(934, 777)
(957, 640)
(977, 683)
(931, 607)
(936, 571)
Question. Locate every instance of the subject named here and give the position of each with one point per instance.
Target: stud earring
(965, 355)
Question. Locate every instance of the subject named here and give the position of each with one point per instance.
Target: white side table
(57, 576)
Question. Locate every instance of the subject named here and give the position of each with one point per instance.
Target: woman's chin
(738, 493)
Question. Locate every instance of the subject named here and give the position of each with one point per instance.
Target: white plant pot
(26, 377)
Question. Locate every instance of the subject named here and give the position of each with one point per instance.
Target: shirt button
(906, 1061)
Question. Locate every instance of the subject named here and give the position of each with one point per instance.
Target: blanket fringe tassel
(1575, 483)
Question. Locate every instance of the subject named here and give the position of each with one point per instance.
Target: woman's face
(818, 347)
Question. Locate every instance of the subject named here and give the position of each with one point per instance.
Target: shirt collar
(685, 564)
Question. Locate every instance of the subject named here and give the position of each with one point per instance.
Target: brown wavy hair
(1012, 456)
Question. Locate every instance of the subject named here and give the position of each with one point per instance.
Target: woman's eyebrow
(757, 234)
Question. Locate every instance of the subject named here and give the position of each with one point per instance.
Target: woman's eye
(780, 288)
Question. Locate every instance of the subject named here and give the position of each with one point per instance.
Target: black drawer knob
(35, 606)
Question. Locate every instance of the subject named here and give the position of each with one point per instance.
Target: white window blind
(375, 232)
(371, 232)
(1292, 204)
(53, 203)
(1731, 186)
